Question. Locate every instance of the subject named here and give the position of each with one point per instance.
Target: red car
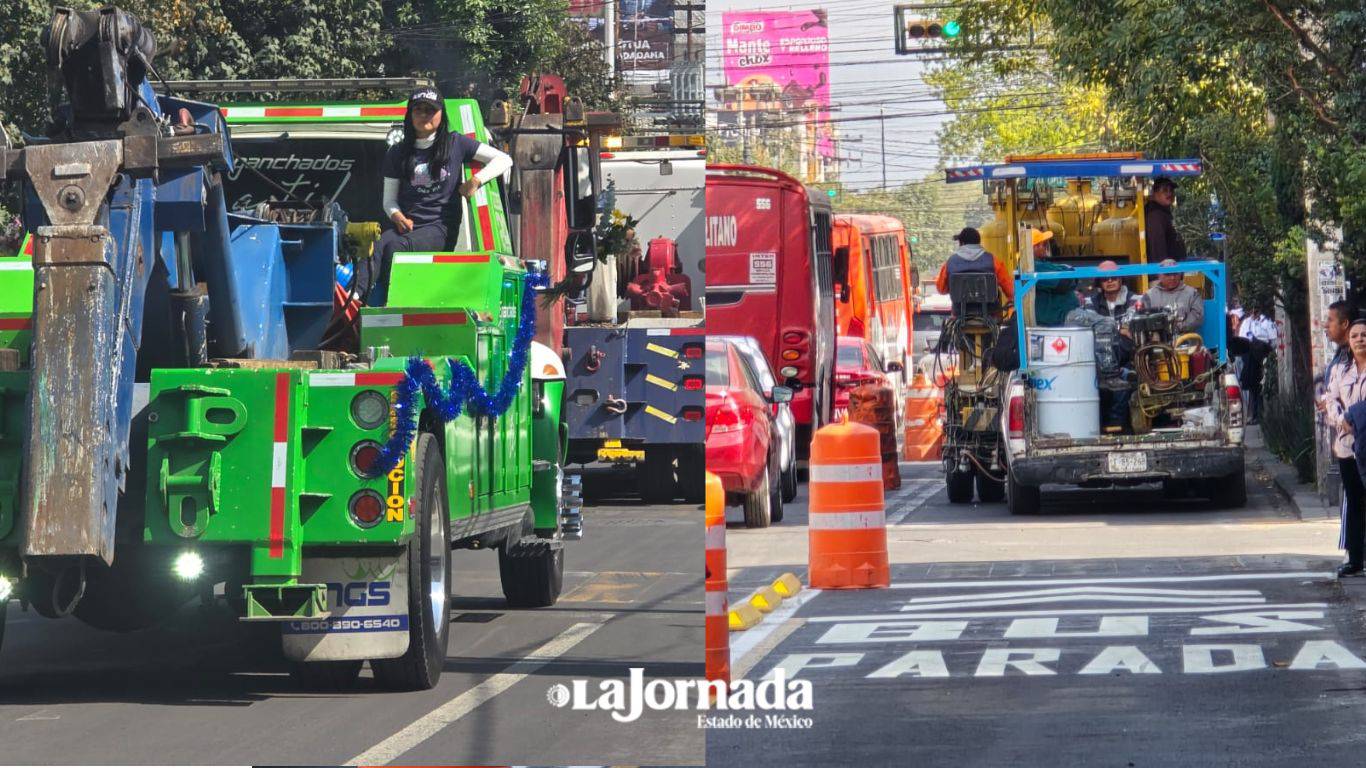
(856, 364)
(741, 449)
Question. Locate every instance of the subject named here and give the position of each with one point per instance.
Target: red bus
(770, 275)
(877, 304)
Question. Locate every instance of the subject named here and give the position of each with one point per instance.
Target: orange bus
(875, 302)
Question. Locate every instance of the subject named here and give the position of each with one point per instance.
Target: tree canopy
(479, 48)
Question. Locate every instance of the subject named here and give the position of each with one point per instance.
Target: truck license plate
(1121, 463)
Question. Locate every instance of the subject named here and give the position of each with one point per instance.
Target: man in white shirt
(1261, 333)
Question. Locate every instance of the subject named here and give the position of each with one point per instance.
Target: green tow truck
(189, 397)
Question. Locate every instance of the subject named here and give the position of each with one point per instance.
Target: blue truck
(635, 399)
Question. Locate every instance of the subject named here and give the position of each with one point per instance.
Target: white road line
(745, 642)
(1150, 599)
(1086, 589)
(913, 501)
(1205, 609)
(1112, 580)
(433, 722)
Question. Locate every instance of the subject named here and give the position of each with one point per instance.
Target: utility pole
(882, 121)
(609, 15)
(744, 130)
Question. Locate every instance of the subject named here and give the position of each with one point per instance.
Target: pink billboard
(789, 50)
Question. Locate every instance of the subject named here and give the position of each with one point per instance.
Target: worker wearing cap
(422, 175)
(1172, 291)
(1113, 299)
(1053, 299)
(972, 258)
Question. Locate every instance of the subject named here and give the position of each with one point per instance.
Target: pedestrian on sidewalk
(1347, 387)
(1261, 334)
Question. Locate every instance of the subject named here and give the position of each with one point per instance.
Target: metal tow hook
(615, 405)
(594, 359)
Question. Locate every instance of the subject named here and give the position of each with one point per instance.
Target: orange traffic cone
(847, 523)
(718, 613)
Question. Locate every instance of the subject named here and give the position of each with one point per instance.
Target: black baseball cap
(968, 236)
(427, 94)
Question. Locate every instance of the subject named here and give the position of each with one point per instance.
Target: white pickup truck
(1191, 457)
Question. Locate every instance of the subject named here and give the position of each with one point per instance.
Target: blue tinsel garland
(465, 391)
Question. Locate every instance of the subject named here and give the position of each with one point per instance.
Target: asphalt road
(204, 688)
(1118, 628)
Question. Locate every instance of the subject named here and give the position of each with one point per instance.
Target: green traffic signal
(951, 29)
(831, 192)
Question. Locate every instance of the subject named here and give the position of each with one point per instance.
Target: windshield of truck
(285, 166)
(929, 321)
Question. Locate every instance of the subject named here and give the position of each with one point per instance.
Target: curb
(750, 612)
(1303, 497)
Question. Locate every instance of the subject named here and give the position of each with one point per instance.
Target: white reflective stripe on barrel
(716, 604)
(845, 473)
(716, 536)
(847, 521)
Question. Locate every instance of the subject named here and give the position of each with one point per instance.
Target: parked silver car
(783, 423)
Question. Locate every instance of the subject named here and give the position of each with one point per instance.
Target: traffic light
(831, 192)
(932, 29)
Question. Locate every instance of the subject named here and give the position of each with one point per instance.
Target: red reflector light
(692, 414)
(364, 456)
(1016, 423)
(793, 337)
(692, 383)
(366, 508)
(606, 155)
(1234, 392)
(693, 351)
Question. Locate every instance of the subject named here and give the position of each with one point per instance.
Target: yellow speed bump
(765, 599)
(787, 585)
(744, 616)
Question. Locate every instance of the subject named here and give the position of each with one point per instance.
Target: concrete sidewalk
(1303, 497)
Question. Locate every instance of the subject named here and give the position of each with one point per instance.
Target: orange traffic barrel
(718, 613)
(923, 439)
(847, 520)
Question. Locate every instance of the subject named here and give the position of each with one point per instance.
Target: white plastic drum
(1062, 373)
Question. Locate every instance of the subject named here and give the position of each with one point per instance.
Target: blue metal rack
(1215, 325)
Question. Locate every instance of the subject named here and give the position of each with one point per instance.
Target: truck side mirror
(894, 367)
(580, 252)
(781, 394)
(841, 265)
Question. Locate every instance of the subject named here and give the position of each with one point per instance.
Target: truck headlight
(6, 588)
(189, 566)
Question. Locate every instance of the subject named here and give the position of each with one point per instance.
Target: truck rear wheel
(1022, 499)
(429, 569)
(960, 486)
(758, 512)
(1229, 492)
(325, 675)
(990, 491)
(656, 476)
(532, 572)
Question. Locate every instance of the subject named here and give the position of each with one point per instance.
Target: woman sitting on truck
(422, 174)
